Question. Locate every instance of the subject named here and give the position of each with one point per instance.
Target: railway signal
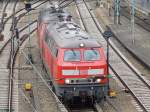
(107, 34)
(28, 7)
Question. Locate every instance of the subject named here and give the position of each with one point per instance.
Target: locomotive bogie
(96, 91)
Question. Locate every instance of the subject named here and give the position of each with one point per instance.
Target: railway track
(43, 89)
(85, 108)
(39, 90)
(6, 88)
(140, 19)
(8, 97)
(123, 69)
(5, 57)
(3, 14)
(78, 108)
(18, 14)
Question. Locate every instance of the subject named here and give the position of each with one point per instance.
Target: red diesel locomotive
(75, 61)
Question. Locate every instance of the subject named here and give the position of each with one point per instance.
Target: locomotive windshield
(72, 55)
(91, 55)
(75, 55)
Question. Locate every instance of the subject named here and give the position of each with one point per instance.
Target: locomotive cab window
(72, 55)
(91, 55)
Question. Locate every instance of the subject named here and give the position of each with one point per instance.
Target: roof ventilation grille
(64, 17)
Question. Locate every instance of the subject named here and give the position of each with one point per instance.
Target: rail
(10, 92)
(136, 74)
(12, 57)
(3, 14)
(20, 16)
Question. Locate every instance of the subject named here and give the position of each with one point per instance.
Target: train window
(72, 55)
(91, 55)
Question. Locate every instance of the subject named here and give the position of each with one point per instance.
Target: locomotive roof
(66, 34)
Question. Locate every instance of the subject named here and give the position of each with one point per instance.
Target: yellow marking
(112, 93)
(28, 86)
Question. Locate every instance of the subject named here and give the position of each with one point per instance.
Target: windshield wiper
(94, 51)
(73, 52)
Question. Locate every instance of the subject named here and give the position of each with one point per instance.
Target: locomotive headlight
(67, 81)
(81, 44)
(98, 80)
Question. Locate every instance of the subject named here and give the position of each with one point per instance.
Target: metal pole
(98, 3)
(107, 55)
(117, 12)
(109, 7)
(29, 55)
(107, 34)
(133, 21)
(107, 41)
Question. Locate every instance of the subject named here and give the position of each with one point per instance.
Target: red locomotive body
(74, 60)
